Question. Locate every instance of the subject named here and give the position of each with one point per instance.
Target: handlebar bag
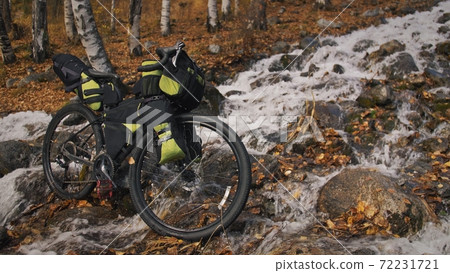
(183, 84)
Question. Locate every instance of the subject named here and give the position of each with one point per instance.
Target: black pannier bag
(74, 74)
(183, 84)
(122, 125)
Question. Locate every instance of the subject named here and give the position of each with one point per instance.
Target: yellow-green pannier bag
(169, 143)
(91, 92)
(183, 83)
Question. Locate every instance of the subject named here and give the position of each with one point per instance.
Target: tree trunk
(257, 15)
(5, 44)
(135, 20)
(226, 9)
(40, 43)
(236, 8)
(212, 22)
(71, 29)
(91, 40)
(165, 18)
(113, 16)
(6, 11)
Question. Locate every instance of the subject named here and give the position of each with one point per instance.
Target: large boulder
(377, 95)
(386, 49)
(13, 155)
(405, 213)
(403, 65)
(211, 102)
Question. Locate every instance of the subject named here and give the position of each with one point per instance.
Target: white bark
(8, 55)
(113, 16)
(226, 9)
(213, 23)
(91, 40)
(165, 18)
(40, 41)
(69, 22)
(135, 28)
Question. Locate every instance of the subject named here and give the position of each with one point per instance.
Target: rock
(444, 18)
(403, 65)
(309, 42)
(92, 216)
(280, 47)
(13, 155)
(443, 29)
(11, 82)
(438, 79)
(291, 62)
(327, 114)
(49, 75)
(21, 189)
(233, 93)
(372, 13)
(362, 45)
(386, 49)
(435, 144)
(324, 23)
(214, 49)
(282, 10)
(406, 10)
(211, 102)
(274, 20)
(312, 68)
(378, 95)
(4, 238)
(337, 68)
(405, 213)
(329, 42)
(443, 48)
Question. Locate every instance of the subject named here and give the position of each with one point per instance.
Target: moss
(441, 107)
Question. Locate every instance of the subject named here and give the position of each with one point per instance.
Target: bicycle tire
(169, 207)
(67, 178)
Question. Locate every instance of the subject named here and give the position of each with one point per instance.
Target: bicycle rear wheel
(197, 199)
(72, 141)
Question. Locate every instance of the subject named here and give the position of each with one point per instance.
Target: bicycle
(189, 199)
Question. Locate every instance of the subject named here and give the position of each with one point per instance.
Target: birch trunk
(212, 23)
(7, 15)
(165, 18)
(113, 16)
(135, 20)
(40, 41)
(226, 9)
(8, 55)
(69, 22)
(91, 40)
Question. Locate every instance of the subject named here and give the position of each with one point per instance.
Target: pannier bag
(123, 122)
(171, 142)
(72, 72)
(183, 84)
(148, 85)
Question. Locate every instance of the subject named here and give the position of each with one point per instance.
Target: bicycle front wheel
(71, 143)
(196, 199)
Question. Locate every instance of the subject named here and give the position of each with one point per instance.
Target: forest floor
(239, 46)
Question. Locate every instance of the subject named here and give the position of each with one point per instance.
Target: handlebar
(164, 53)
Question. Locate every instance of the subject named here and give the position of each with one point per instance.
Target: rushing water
(254, 108)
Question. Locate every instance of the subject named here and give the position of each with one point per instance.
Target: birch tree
(165, 18)
(91, 40)
(40, 43)
(69, 22)
(226, 9)
(236, 8)
(7, 15)
(113, 16)
(212, 22)
(135, 29)
(8, 55)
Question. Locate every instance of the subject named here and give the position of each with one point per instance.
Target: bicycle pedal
(104, 189)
